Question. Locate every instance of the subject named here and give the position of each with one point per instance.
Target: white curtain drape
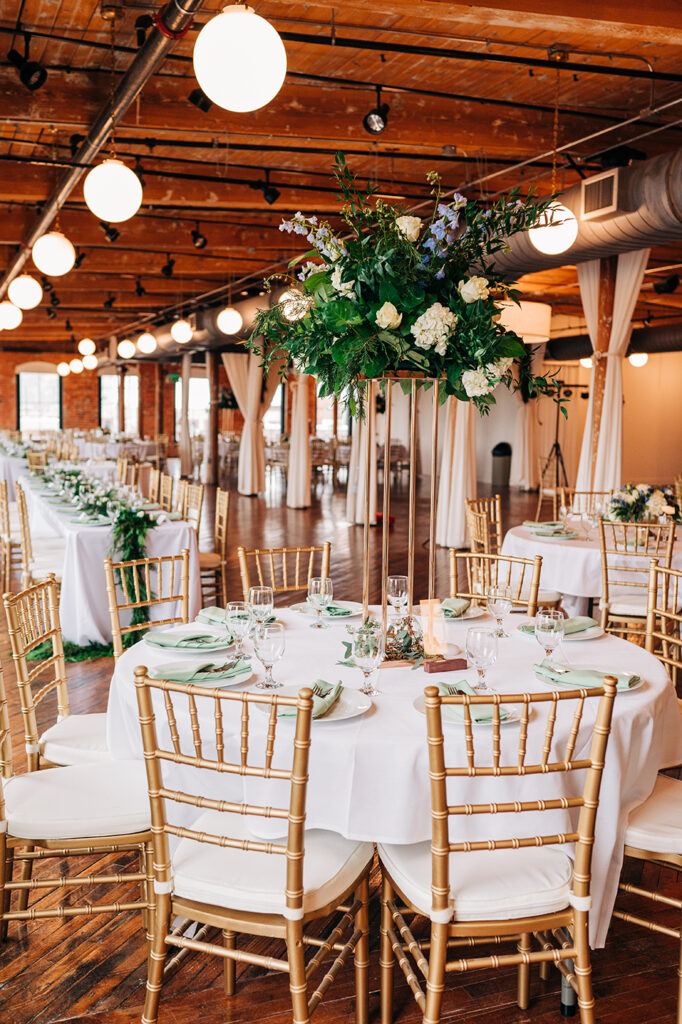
(185, 446)
(524, 461)
(629, 275)
(457, 473)
(245, 374)
(355, 492)
(299, 471)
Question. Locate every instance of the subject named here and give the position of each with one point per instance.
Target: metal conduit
(172, 21)
(663, 338)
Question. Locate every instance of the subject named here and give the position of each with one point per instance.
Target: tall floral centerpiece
(640, 503)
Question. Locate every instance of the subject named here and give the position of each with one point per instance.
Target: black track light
(140, 290)
(200, 100)
(47, 285)
(74, 143)
(109, 303)
(55, 300)
(142, 23)
(199, 241)
(270, 193)
(667, 286)
(376, 119)
(80, 256)
(138, 169)
(31, 73)
(167, 268)
(50, 313)
(68, 325)
(111, 234)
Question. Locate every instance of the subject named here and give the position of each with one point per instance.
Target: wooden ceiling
(470, 94)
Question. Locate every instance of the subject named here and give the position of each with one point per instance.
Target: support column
(212, 370)
(121, 400)
(608, 268)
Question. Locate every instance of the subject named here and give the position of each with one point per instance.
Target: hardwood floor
(92, 970)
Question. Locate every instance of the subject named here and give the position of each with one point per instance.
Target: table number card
(433, 627)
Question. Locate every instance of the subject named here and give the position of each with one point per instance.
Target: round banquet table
(369, 774)
(573, 567)
(12, 468)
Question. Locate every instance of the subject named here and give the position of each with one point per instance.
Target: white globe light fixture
(76, 365)
(126, 349)
(146, 343)
(239, 60)
(25, 292)
(638, 359)
(86, 346)
(555, 231)
(63, 369)
(10, 316)
(112, 191)
(53, 254)
(586, 362)
(90, 362)
(181, 332)
(229, 320)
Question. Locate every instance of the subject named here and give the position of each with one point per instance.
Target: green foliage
(72, 652)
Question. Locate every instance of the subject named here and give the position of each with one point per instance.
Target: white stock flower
(657, 503)
(344, 288)
(475, 383)
(473, 289)
(431, 329)
(388, 316)
(409, 227)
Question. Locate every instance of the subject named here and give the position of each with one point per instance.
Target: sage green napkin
(212, 614)
(550, 530)
(331, 609)
(206, 673)
(574, 625)
(535, 524)
(549, 671)
(479, 712)
(322, 704)
(454, 607)
(167, 638)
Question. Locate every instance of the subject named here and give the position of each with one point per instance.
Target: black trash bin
(501, 464)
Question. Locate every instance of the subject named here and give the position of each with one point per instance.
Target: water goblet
(269, 644)
(481, 652)
(499, 602)
(549, 629)
(396, 592)
(261, 602)
(320, 592)
(367, 652)
(238, 622)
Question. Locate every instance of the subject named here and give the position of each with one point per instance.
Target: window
(108, 402)
(273, 420)
(131, 403)
(39, 401)
(199, 401)
(325, 418)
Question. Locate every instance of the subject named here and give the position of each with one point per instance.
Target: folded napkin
(479, 712)
(331, 609)
(575, 625)
(206, 673)
(550, 671)
(534, 524)
(322, 703)
(147, 506)
(453, 607)
(212, 614)
(166, 638)
(564, 534)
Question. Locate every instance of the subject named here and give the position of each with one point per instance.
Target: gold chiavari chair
(37, 461)
(194, 502)
(154, 484)
(146, 583)
(491, 510)
(663, 636)
(33, 621)
(219, 875)
(121, 469)
(547, 489)
(166, 492)
(47, 559)
(481, 571)
(588, 503)
(132, 476)
(213, 564)
(503, 889)
(160, 456)
(10, 538)
(181, 492)
(283, 569)
(66, 813)
(626, 551)
(678, 491)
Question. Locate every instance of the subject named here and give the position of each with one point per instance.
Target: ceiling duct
(663, 338)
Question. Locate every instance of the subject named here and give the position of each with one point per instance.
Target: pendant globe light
(229, 320)
(239, 60)
(181, 332)
(10, 316)
(146, 343)
(557, 228)
(63, 369)
(126, 349)
(90, 362)
(86, 346)
(76, 365)
(112, 191)
(53, 254)
(25, 292)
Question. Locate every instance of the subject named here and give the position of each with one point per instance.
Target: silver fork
(319, 691)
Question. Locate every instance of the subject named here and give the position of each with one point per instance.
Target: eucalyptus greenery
(404, 296)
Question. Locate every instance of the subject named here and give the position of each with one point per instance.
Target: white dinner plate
(557, 536)
(593, 633)
(350, 704)
(472, 612)
(354, 607)
(448, 715)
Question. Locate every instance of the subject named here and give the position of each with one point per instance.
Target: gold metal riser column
(411, 525)
(386, 508)
(369, 420)
(434, 492)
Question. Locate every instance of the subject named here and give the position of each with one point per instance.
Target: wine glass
(238, 622)
(320, 592)
(269, 643)
(261, 602)
(396, 592)
(499, 602)
(564, 513)
(549, 629)
(368, 650)
(481, 651)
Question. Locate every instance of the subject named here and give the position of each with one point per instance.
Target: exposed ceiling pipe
(664, 338)
(650, 192)
(171, 22)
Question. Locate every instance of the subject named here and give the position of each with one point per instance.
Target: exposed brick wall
(80, 393)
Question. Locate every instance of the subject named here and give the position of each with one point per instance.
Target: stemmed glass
(396, 592)
(238, 622)
(499, 602)
(481, 651)
(261, 602)
(549, 629)
(320, 592)
(368, 650)
(269, 643)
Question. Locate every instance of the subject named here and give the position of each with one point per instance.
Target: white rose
(388, 316)
(473, 289)
(475, 383)
(499, 367)
(409, 227)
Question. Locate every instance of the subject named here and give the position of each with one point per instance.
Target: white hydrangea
(409, 227)
(476, 383)
(473, 289)
(657, 504)
(499, 367)
(344, 288)
(431, 329)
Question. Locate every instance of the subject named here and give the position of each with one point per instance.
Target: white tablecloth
(11, 469)
(83, 605)
(369, 775)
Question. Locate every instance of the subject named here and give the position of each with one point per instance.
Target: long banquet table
(12, 468)
(83, 606)
(369, 774)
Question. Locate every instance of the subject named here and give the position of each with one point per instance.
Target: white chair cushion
(256, 882)
(77, 739)
(629, 604)
(656, 825)
(495, 885)
(103, 799)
